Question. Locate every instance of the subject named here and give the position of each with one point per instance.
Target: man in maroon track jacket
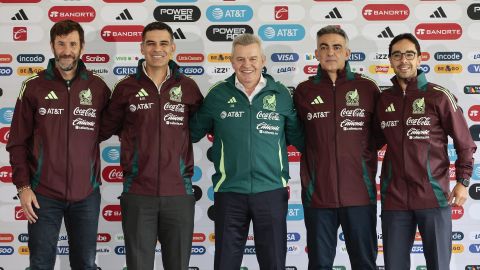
(416, 117)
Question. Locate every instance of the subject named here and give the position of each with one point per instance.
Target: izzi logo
(227, 32)
(177, 13)
(237, 13)
(284, 57)
(473, 11)
(281, 32)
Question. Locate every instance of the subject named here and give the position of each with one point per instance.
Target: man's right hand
(27, 198)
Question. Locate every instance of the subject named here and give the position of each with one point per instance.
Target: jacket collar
(323, 75)
(270, 86)
(52, 72)
(419, 83)
(172, 65)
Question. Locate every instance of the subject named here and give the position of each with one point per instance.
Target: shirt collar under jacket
(261, 84)
(144, 66)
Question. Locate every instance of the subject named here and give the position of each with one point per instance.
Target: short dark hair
(66, 27)
(332, 29)
(157, 26)
(403, 36)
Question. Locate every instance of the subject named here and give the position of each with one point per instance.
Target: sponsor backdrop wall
(448, 31)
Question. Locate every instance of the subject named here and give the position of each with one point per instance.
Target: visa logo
(356, 56)
(285, 57)
(474, 248)
(474, 68)
(295, 212)
(63, 250)
(293, 237)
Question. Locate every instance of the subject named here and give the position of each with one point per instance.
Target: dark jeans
(81, 222)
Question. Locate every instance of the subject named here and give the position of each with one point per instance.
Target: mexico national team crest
(176, 94)
(418, 106)
(85, 97)
(352, 98)
(270, 102)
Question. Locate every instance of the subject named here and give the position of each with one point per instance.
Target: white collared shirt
(144, 65)
(261, 84)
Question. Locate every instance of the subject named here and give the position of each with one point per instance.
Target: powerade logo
(198, 250)
(6, 250)
(30, 58)
(473, 11)
(177, 13)
(111, 154)
(6, 115)
(122, 71)
(293, 237)
(295, 212)
(356, 56)
(191, 70)
(474, 191)
(119, 250)
(284, 57)
(474, 68)
(417, 249)
(249, 250)
(63, 250)
(474, 248)
(6, 71)
(475, 132)
(425, 68)
(227, 32)
(471, 89)
(281, 32)
(240, 13)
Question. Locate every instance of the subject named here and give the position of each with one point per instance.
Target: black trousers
(359, 225)
(398, 230)
(146, 219)
(233, 213)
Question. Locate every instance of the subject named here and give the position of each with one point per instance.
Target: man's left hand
(458, 196)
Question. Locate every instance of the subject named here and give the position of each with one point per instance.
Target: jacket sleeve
(197, 98)
(114, 115)
(293, 127)
(20, 138)
(202, 121)
(455, 125)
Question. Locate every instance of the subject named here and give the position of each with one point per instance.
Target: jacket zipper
(336, 148)
(68, 137)
(403, 144)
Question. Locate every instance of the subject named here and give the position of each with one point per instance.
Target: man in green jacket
(253, 120)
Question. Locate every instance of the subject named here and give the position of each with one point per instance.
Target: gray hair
(245, 40)
(333, 29)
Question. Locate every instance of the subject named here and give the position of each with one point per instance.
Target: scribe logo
(177, 13)
(5, 58)
(122, 33)
(281, 13)
(438, 31)
(190, 57)
(113, 174)
(6, 174)
(95, 58)
(381, 69)
(310, 69)
(103, 237)
(385, 12)
(75, 13)
(227, 32)
(112, 213)
(19, 33)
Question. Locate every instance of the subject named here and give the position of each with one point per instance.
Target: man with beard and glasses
(54, 152)
(416, 118)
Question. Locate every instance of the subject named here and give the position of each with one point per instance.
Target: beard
(66, 66)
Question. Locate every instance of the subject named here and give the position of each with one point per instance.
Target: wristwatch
(464, 181)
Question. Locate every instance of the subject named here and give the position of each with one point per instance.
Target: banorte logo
(293, 154)
(438, 31)
(6, 174)
(112, 213)
(122, 33)
(112, 174)
(474, 113)
(457, 212)
(95, 58)
(4, 134)
(385, 12)
(74, 13)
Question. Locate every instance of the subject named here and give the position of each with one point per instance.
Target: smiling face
(405, 68)
(67, 50)
(248, 62)
(157, 48)
(332, 52)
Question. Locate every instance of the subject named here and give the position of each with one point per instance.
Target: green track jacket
(250, 139)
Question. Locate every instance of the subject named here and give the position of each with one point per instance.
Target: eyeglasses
(398, 55)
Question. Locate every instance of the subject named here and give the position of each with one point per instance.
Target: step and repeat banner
(449, 33)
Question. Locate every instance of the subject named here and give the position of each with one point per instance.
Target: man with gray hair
(253, 120)
(339, 164)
